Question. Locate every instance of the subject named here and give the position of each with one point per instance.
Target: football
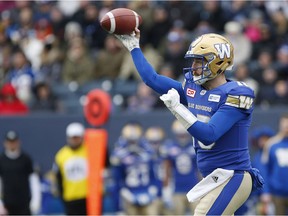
(120, 21)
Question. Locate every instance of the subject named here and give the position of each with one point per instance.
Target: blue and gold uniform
(220, 134)
(227, 128)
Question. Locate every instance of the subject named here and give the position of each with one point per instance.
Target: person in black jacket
(20, 189)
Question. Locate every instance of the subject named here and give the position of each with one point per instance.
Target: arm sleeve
(218, 125)
(35, 188)
(158, 83)
(59, 179)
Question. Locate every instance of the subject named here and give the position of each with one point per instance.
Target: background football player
(156, 138)
(216, 112)
(276, 169)
(182, 169)
(132, 169)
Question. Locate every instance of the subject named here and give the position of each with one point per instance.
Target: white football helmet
(217, 54)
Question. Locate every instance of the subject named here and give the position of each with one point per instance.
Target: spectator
(279, 22)
(267, 95)
(21, 76)
(10, 103)
(242, 74)
(145, 10)
(242, 45)
(263, 62)
(44, 99)
(58, 22)
(187, 12)
(281, 91)
(173, 49)
(20, 189)
(72, 30)
(51, 60)
(113, 52)
(128, 70)
(78, 65)
(94, 35)
(160, 27)
(5, 54)
(72, 171)
(214, 14)
(253, 26)
(282, 61)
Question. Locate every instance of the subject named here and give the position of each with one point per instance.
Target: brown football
(120, 21)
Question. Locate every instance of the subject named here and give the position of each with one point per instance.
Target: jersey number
(204, 119)
(137, 176)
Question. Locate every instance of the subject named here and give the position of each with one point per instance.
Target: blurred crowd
(53, 52)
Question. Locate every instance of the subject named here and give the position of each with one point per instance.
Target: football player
(275, 162)
(182, 169)
(216, 112)
(155, 137)
(132, 169)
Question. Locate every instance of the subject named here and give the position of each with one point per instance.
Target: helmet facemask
(206, 72)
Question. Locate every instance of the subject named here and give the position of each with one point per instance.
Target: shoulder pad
(187, 76)
(241, 96)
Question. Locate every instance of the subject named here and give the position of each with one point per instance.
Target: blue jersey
(224, 147)
(133, 172)
(158, 169)
(183, 164)
(223, 113)
(277, 168)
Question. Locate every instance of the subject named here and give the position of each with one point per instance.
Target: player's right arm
(150, 77)
(158, 83)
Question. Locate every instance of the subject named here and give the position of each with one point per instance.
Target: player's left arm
(238, 105)
(218, 125)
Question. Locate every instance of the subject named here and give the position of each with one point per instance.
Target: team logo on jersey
(239, 101)
(214, 98)
(203, 92)
(190, 92)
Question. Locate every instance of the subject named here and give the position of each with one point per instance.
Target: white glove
(172, 101)
(129, 41)
(35, 187)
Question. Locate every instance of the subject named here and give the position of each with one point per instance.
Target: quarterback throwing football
(217, 113)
